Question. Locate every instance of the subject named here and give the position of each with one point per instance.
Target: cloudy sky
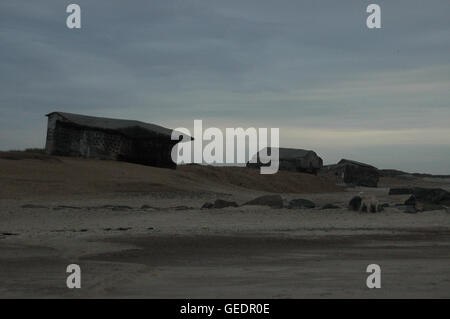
(310, 67)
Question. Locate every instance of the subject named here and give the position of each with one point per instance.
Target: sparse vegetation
(29, 153)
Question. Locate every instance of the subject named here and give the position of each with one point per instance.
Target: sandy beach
(156, 242)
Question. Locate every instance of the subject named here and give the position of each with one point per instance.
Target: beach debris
(119, 229)
(355, 203)
(61, 207)
(219, 203)
(148, 207)
(207, 205)
(273, 201)
(8, 234)
(432, 195)
(428, 199)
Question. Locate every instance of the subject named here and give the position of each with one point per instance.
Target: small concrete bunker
(353, 172)
(291, 159)
(111, 139)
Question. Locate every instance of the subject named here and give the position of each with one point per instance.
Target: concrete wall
(66, 139)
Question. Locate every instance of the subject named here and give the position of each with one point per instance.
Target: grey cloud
(290, 62)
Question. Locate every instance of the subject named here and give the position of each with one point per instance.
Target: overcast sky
(310, 67)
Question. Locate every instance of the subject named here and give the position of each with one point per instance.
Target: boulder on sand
(274, 201)
(411, 201)
(426, 199)
(301, 203)
(355, 203)
(207, 205)
(432, 195)
(219, 203)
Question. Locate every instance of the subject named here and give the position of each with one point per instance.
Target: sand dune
(63, 176)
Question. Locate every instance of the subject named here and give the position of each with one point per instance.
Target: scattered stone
(120, 229)
(273, 201)
(69, 230)
(220, 203)
(8, 234)
(181, 208)
(148, 207)
(355, 203)
(116, 207)
(432, 195)
(120, 208)
(400, 191)
(428, 199)
(330, 206)
(411, 201)
(61, 207)
(301, 203)
(207, 205)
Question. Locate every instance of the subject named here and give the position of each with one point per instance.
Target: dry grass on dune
(281, 182)
(75, 176)
(28, 176)
(21, 155)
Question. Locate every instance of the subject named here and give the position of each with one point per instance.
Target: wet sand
(282, 259)
(276, 267)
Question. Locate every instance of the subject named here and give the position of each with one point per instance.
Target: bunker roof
(127, 127)
(292, 153)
